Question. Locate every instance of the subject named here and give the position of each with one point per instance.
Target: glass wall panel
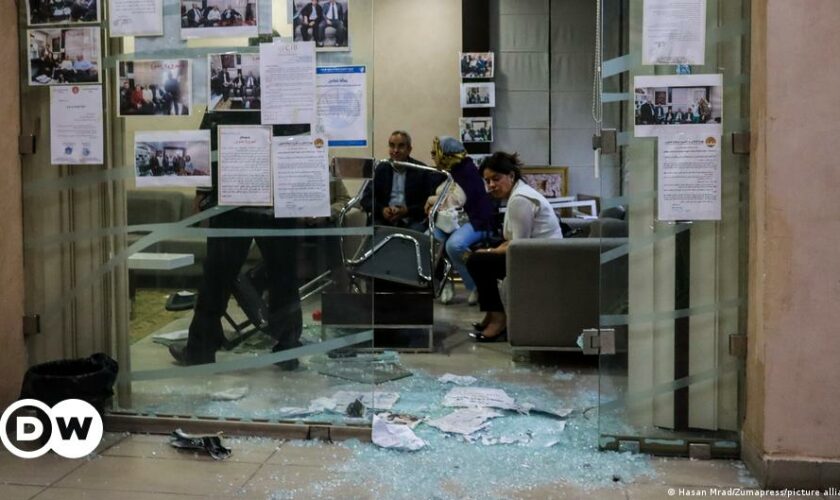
(673, 291)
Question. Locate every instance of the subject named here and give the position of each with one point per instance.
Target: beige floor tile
(18, 492)
(292, 481)
(685, 472)
(41, 471)
(76, 494)
(319, 455)
(254, 451)
(187, 476)
(548, 492)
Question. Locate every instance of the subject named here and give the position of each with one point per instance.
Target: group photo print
(324, 21)
(678, 104)
(62, 11)
(234, 82)
(154, 87)
(172, 158)
(478, 95)
(59, 56)
(476, 65)
(478, 129)
(218, 18)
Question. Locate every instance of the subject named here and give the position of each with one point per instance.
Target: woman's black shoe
(479, 326)
(188, 358)
(501, 337)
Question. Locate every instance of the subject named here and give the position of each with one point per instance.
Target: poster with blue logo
(342, 105)
(76, 136)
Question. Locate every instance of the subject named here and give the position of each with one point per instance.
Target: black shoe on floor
(187, 358)
(501, 337)
(288, 365)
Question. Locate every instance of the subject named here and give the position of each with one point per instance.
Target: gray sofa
(555, 288)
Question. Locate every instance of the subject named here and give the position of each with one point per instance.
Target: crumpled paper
(394, 436)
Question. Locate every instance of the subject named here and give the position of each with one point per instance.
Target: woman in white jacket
(529, 215)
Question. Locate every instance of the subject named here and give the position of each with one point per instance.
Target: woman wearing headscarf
(449, 155)
(528, 215)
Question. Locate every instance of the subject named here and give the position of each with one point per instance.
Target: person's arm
(520, 217)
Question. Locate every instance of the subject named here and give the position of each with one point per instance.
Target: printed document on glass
(135, 17)
(674, 32)
(76, 134)
(342, 105)
(689, 178)
(287, 81)
(301, 176)
(245, 165)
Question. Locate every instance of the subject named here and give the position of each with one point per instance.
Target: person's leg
(458, 249)
(340, 33)
(322, 31)
(486, 269)
(221, 266)
(285, 318)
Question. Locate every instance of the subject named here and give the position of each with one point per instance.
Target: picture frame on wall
(476, 129)
(233, 81)
(218, 18)
(476, 65)
(154, 87)
(44, 12)
(326, 22)
(478, 95)
(551, 182)
(64, 56)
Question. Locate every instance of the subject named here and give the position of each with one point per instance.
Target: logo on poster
(72, 428)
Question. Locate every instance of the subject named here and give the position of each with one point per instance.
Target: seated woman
(528, 216)
(449, 155)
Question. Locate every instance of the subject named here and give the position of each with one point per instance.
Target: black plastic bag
(89, 379)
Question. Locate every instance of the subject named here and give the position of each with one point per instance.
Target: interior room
(592, 364)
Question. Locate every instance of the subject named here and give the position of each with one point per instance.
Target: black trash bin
(90, 379)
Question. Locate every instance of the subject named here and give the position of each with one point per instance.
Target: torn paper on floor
(395, 436)
(377, 400)
(466, 421)
(457, 379)
(231, 394)
(470, 397)
(402, 418)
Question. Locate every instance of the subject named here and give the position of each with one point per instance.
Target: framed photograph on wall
(234, 82)
(41, 12)
(478, 95)
(64, 56)
(218, 18)
(476, 65)
(551, 182)
(476, 129)
(327, 23)
(154, 87)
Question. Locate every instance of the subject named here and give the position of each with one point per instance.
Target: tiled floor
(145, 467)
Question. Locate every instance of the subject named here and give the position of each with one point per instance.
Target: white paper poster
(301, 176)
(342, 105)
(76, 135)
(678, 104)
(689, 178)
(287, 80)
(674, 32)
(245, 165)
(172, 158)
(135, 17)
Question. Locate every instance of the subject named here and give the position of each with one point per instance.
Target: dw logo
(71, 428)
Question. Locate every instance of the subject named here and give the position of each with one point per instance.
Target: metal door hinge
(607, 142)
(597, 341)
(31, 325)
(738, 345)
(26, 144)
(741, 143)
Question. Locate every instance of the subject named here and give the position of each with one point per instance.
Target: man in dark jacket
(397, 196)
